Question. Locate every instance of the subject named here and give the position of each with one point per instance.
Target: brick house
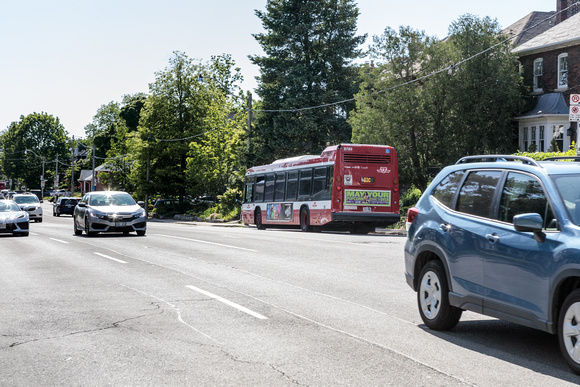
(550, 66)
(86, 179)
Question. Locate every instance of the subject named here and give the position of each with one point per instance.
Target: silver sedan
(109, 211)
(12, 219)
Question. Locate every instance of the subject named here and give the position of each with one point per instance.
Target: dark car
(500, 236)
(109, 211)
(64, 205)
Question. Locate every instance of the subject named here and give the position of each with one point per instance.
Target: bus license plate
(366, 209)
(120, 224)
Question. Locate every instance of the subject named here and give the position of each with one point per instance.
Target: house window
(562, 71)
(542, 146)
(538, 74)
(558, 138)
(533, 145)
(525, 139)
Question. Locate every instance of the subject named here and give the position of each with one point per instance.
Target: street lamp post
(41, 176)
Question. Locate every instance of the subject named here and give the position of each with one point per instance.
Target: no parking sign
(574, 107)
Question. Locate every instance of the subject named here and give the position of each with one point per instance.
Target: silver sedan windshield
(102, 200)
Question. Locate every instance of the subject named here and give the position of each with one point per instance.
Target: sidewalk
(193, 221)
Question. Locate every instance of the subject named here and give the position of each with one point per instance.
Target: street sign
(575, 113)
(575, 107)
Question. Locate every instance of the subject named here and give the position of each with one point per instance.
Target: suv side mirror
(530, 223)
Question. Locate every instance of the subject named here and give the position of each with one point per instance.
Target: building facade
(550, 66)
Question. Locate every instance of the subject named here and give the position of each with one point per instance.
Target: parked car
(29, 202)
(500, 236)
(109, 211)
(64, 205)
(164, 207)
(12, 219)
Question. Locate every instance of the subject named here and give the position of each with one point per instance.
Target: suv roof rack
(556, 158)
(497, 158)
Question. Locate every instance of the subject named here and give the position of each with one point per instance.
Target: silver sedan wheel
(571, 332)
(430, 295)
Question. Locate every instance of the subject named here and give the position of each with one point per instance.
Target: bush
(229, 206)
(539, 156)
(408, 199)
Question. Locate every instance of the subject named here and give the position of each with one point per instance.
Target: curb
(193, 221)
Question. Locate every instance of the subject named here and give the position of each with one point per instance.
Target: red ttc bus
(348, 187)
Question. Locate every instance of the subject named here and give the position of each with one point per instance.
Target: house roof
(564, 34)
(529, 27)
(548, 104)
(86, 174)
(103, 168)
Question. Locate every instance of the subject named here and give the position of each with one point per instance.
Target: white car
(12, 219)
(29, 202)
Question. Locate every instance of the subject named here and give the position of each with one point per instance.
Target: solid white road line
(228, 302)
(58, 240)
(111, 258)
(206, 242)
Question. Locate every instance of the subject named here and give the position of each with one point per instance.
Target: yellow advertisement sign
(365, 197)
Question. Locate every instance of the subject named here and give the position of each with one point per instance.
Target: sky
(69, 57)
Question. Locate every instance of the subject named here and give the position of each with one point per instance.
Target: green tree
(45, 138)
(183, 104)
(433, 111)
(486, 90)
(309, 47)
(104, 129)
(108, 133)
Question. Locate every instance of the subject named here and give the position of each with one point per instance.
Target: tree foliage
(309, 48)
(433, 117)
(187, 100)
(45, 138)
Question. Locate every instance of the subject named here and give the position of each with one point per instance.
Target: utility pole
(249, 132)
(93, 188)
(147, 177)
(72, 157)
(56, 175)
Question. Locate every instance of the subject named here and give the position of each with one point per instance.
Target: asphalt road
(208, 305)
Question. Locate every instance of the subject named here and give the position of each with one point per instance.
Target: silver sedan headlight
(97, 215)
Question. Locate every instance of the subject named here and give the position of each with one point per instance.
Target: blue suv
(500, 236)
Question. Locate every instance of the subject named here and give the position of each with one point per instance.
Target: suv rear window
(476, 195)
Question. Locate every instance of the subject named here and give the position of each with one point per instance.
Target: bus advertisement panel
(350, 187)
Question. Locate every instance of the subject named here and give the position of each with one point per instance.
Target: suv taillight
(411, 215)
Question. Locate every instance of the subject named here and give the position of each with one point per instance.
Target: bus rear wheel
(305, 220)
(258, 220)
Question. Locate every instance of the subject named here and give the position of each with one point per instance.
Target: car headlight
(98, 215)
(139, 214)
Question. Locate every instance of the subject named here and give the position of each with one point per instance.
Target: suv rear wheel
(433, 298)
(569, 330)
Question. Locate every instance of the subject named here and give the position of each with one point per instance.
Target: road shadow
(522, 346)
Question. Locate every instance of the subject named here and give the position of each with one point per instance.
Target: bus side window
(269, 192)
(259, 189)
(249, 190)
(292, 186)
(319, 186)
(329, 182)
(305, 184)
(280, 187)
